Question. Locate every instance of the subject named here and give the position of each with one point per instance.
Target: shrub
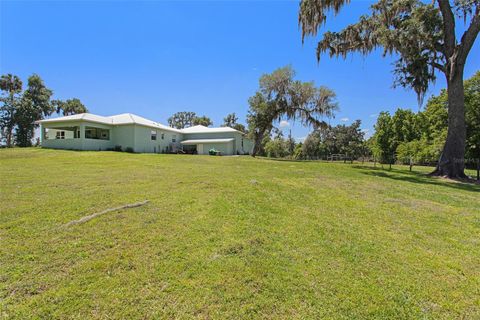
(276, 148)
(419, 151)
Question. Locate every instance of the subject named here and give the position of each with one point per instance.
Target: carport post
(42, 134)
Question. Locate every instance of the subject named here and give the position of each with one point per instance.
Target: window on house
(62, 133)
(163, 136)
(97, 133)
(174, 138)
(153, 135)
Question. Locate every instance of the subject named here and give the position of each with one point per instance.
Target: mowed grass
(232, 238)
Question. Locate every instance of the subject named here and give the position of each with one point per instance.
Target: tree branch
(312, 14)
(439, 66)
(469, 36)
(448, 27)
(440, 48)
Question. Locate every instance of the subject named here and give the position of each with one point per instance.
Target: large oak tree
(281, 96)
(424, 36)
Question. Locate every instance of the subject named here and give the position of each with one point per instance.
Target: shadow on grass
(416, 177)
(278, 159)
(301, 161)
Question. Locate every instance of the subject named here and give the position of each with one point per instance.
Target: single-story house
(130, 132)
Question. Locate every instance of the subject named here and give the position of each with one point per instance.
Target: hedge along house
(130, 132)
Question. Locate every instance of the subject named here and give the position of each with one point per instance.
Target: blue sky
(155, 58)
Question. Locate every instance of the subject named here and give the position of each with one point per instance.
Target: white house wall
(144, 143)
(138, 138)
(124, 136)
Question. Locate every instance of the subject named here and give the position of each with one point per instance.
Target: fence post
(478, 169)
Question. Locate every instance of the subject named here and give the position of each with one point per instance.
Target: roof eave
(73, 120)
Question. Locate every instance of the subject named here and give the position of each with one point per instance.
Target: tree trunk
(10, 124)
(452, 160)
(257, 144)
(9, 137)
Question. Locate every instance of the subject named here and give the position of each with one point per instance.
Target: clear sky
(155, 58)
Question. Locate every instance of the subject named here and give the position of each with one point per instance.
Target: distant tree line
(185, 119)
(21, 109)
(346, 140)
(405, 137)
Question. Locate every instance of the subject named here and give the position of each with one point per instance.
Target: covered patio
(76, 135)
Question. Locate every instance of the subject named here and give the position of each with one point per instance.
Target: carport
(225, 146)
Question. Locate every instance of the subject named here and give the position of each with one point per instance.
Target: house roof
(196, 141)
(80, 116)
(119, 119)
(129, 118)
(203, 129)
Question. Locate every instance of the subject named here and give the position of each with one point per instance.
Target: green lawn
(232, 237)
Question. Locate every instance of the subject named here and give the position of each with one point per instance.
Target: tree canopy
(19, 111)
(280, 96)
(343, 139)
(231, 120)
(185, 119)
(181, 119)
(384, 137)
(203, 121)
(34, 105)
(69, 106)
(422, 34)
(11, 87)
